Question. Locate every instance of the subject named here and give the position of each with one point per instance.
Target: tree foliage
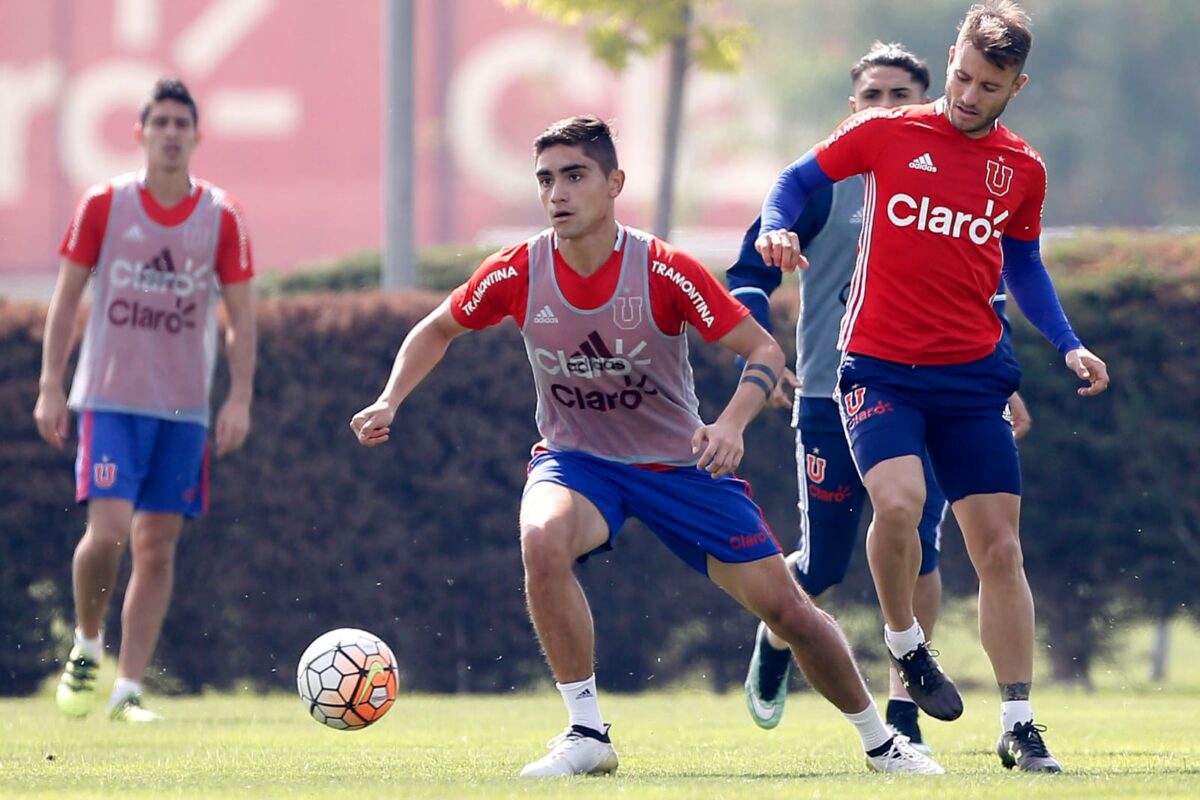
(620, 30)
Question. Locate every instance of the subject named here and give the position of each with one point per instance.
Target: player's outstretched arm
(422, 350)
(50, 411)
(241, 345)
(719, 445)
(1030, 285)
(777, 243)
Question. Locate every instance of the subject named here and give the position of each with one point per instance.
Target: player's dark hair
(1000, 30)
(587, 131)
(169, 89)
(892, 54)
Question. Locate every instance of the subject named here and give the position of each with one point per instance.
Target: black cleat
(927, 685)
(901, 717)
(1023, 747)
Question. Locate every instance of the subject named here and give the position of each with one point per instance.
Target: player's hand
(781, 249)
(784, 393)
(1022, 420)
(50, 414)
(372, 424)
(720, 447)
(1088, 367)
(233, 425)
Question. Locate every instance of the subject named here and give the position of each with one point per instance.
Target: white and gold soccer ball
(347, 679)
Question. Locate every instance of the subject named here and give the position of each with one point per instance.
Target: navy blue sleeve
(1030, 285)
(794, 186)
(752, 281)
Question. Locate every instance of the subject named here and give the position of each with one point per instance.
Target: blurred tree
(618, 30)
(1103, 105)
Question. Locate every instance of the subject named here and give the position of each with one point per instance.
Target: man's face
(169, 136)
(577, 195)
(977, 91)
(886, 87)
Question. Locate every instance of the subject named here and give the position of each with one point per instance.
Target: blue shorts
(832, 497)
(156, 464)
(958, 413)
(692, 513)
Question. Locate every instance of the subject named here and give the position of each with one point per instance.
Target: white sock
(583, 707)
(901, 642)
(1014, 712)
(93, 648)
(869, 726)
(122, 688)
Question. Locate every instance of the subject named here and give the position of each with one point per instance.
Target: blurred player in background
(953, 199)
(831, 493)
(161, 247)
(603, 309)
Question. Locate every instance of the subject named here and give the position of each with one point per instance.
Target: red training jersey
(936, 204)
(84, 237)
(682, 291)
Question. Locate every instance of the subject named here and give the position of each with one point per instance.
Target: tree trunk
(672, 124)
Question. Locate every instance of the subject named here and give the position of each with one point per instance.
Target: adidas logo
(583, 694)
(857, 217)
(545, 317)
(923, 162)
(134, 234)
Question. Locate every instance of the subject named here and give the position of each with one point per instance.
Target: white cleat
(901, 757)
(575, 751)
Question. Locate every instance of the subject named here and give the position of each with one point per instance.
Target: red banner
(290, 119)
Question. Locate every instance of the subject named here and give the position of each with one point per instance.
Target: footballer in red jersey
(161, 249)
(602, 310)
(953, 200)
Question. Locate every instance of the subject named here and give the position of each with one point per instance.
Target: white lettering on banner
(490, 280)
(945, 221)
(24, 92)
(490, 73)
(689, 289)
(117, 84)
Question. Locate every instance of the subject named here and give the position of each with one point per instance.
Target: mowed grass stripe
(673, 745)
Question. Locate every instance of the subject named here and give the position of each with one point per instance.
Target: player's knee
(897, 507)
(795, 619)
(1000, 558)
(153, 555)
(545, 548)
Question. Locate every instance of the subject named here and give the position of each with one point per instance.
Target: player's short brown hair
(892, 54)
(169, 89)
(1000, 30)
(587, 131)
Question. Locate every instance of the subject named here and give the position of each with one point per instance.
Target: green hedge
(439, 268)
(417, 540)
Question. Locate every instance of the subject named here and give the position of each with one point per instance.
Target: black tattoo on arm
(772, 378)
(757, 381)
(1014, 691)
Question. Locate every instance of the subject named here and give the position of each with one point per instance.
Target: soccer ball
(347, 679)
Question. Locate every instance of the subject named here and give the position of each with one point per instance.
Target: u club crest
(854, 400)
(999, 177)
(815, 467)
(627, 313)
(104, 474)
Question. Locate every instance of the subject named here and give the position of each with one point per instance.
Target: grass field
(1135, 741)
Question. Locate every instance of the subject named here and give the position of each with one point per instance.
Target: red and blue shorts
(692, 513)
(956, 412)
(158, 465)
